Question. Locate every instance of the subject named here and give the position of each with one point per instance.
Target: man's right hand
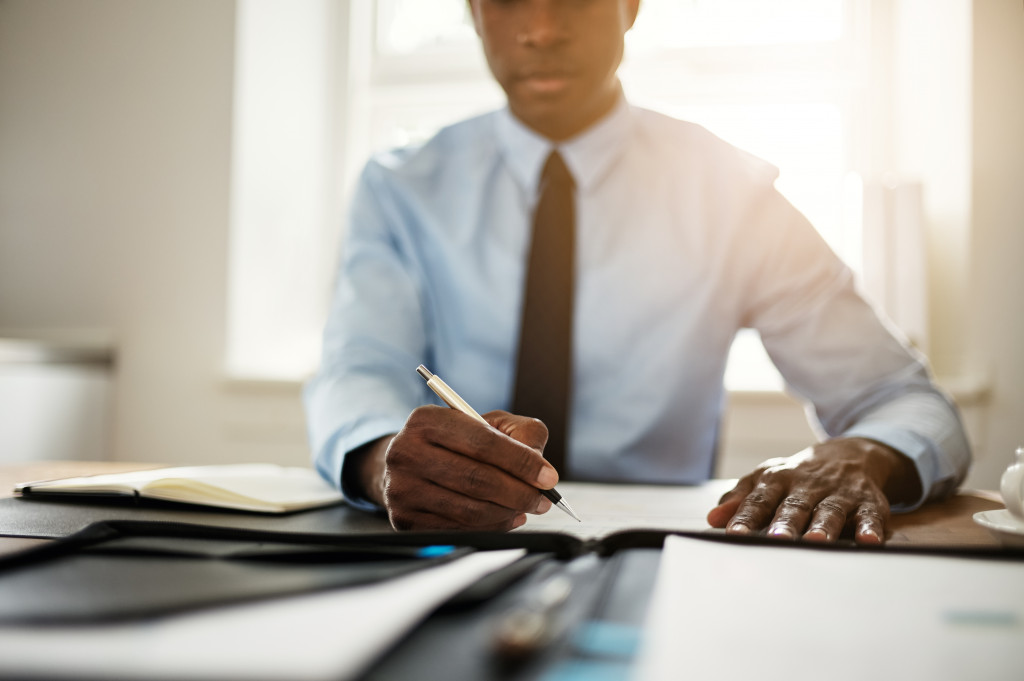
(446, 470)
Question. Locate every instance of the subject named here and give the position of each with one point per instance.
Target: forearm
(374, 337)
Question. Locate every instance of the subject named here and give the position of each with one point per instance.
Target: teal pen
(453, 400)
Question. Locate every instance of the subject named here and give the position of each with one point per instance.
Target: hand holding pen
(443, 471)
(453, 400)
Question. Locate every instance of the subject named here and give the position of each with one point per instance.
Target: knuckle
(531, 432)
(795, 504)
(465, 513)
(443, 504)
(397, 456)
(756, 509)
(418, 417)
(830, 506)
(476, 482)
(449, 508)
(740, 491)
(395, 493)
(440, 507)
(480, 441)
(870, 514)
(758, 498)
(773, 469)
(423, 424)
(537, 430)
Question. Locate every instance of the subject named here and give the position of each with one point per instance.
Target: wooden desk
(949, 523)
(461, 634)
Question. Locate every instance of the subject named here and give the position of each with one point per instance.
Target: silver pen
(534, 622)
(453, 400)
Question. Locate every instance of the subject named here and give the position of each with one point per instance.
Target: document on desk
(763, 612)
(330, 635)
(608, 508)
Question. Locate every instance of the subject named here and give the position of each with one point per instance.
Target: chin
(549, 112)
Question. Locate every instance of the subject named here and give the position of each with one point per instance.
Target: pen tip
(568, 509)
(424, 372)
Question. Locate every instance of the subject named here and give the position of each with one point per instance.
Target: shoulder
(454, 150)
(694, 150)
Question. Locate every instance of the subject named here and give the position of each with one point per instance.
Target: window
(796, 82)
(286, 195)
(778, 79)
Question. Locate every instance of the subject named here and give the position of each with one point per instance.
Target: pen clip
(450, 397)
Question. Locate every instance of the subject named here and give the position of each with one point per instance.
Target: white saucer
(1004, 525)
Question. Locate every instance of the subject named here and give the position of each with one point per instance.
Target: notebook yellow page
(266, 488)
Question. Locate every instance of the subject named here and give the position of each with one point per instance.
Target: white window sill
(966, 390)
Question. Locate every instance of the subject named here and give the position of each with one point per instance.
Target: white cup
(1012, 485)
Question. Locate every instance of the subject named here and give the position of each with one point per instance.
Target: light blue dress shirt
(682, 240)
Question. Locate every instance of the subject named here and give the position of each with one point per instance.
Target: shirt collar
(588, 155)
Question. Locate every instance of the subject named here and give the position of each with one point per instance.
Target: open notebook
(265, 488)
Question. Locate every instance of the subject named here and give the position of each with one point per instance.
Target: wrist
(894, 472)
(363, 471)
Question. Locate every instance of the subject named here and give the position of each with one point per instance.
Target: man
(680, 240)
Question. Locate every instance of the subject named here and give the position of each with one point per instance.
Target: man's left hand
(816, 493)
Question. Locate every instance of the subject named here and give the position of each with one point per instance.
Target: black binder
(123, 570)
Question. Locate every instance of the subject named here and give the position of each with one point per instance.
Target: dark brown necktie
(544, 366)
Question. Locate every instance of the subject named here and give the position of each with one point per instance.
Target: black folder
(129, 569)
(123, 570)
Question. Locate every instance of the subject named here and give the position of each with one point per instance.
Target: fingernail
(817, 534)
(547, 477)
(739, 528)
(518, 521)
(543, 506)
(870, 534)
(781, 532)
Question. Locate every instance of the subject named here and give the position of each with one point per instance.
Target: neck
(559, 128)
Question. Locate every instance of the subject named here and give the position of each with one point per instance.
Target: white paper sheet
(329, 635)
(750, 612)
(609, 508)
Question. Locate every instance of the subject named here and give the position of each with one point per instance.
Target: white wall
(115, 137)
(114, 174)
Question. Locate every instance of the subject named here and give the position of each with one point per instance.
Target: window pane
(415, 26)
(705, 23)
